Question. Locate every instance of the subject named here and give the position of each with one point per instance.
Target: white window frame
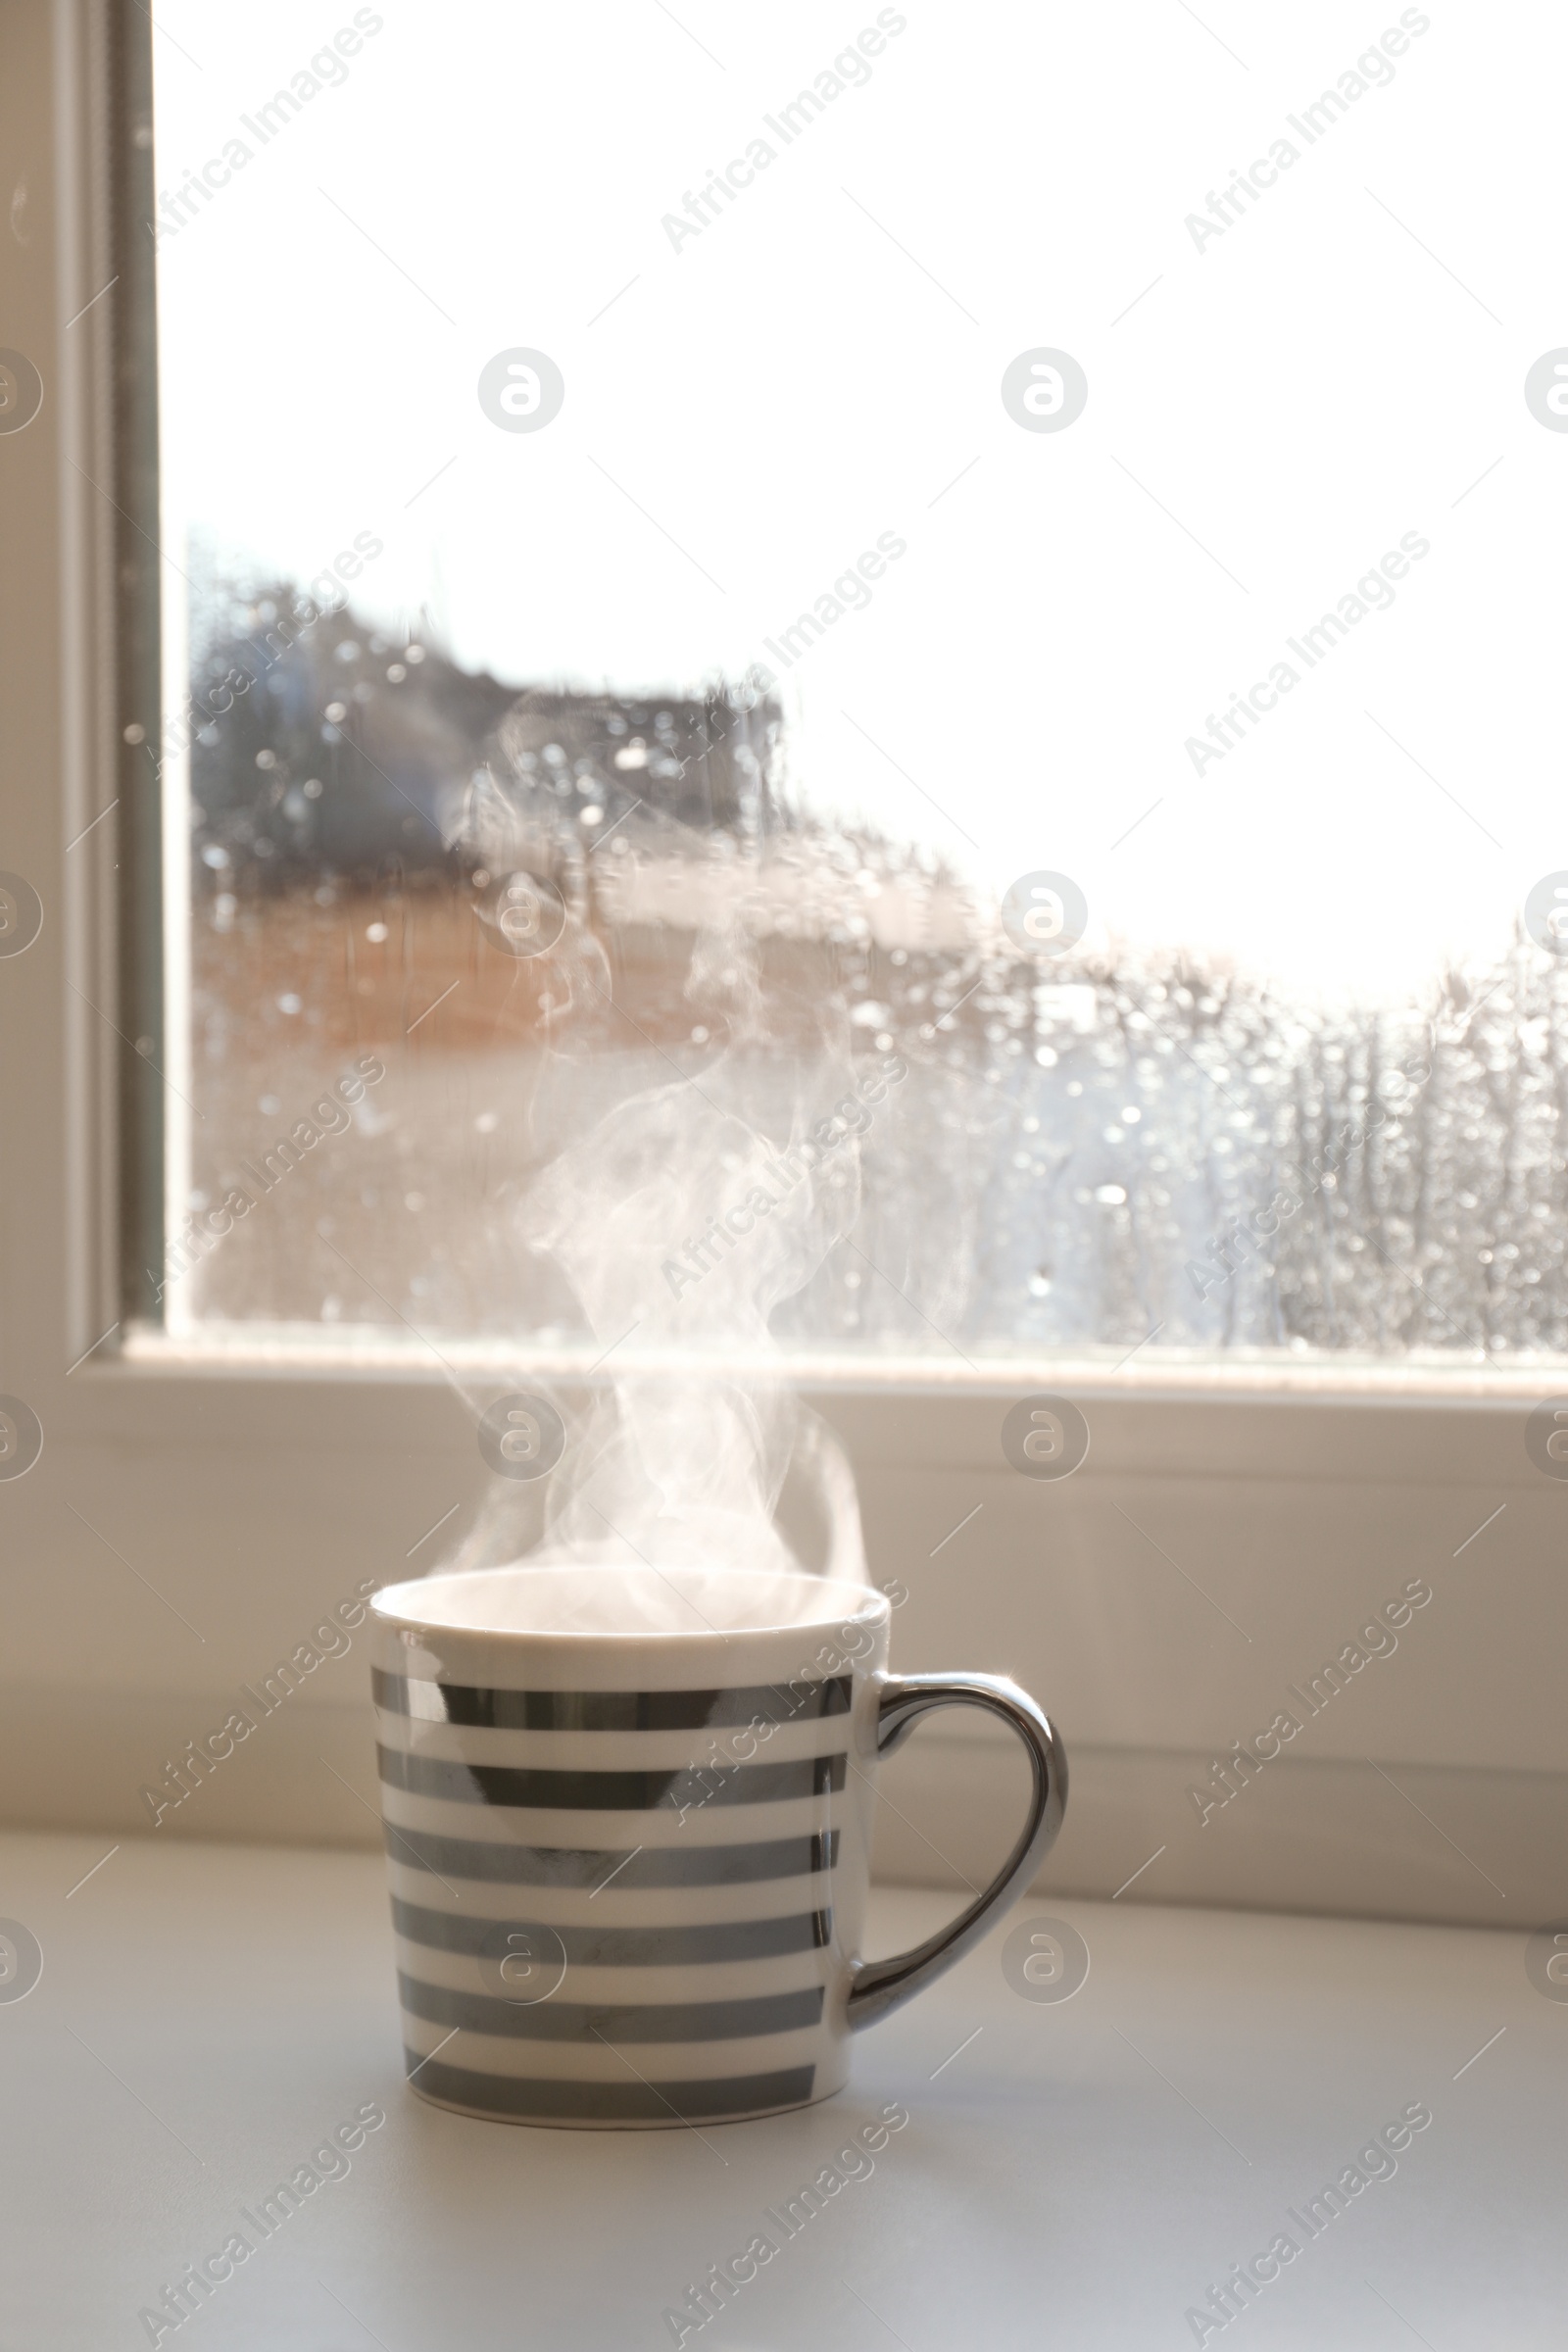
(197, 1508)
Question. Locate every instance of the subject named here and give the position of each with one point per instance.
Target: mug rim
(397, 1607)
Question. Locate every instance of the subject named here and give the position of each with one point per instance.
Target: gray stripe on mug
(626, 1948)
(508, 1865)
(805, 1701)
(611, 2022)
(608, 1792)
(617, 2102)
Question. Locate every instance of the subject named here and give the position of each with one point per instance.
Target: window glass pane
(947, 619)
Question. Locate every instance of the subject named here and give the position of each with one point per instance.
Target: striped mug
(627, 1819)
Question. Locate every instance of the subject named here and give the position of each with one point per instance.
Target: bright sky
(1266, 417)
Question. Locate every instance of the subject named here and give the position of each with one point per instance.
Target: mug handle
(877, 1986)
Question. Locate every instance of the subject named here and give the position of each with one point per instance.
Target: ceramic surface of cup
(628, 1821)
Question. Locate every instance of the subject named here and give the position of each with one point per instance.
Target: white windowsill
(207, 2016)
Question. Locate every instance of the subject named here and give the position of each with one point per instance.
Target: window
(639, 616)
(1033, 664)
